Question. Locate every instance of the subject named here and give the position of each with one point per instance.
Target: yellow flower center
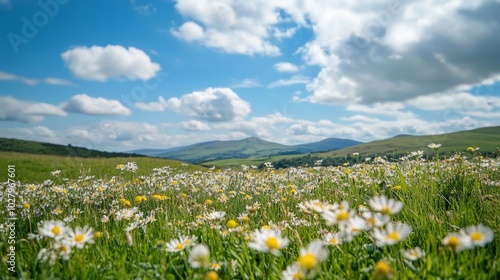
(245, 219)
(476, 236)
(371, 221)
(393, 236)
(179, 246)
(453, 241)
(342, 216)
(382, 268)
(79, 237)
(333, 241)
(188, 241)
(211, 275)
(307, 261)
(385, 210)
(232, 224)
(272, 243)
(298, 275)
(56, 230)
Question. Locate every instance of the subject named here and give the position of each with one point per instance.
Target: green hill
(249, 148)
(487, 139)
(214, 150)
(32, 147)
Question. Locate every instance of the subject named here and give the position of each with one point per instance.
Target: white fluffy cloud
(194, 125)
(286, 67)
(84, 104)
(368, 53)
(112, 61)
(242, 27)
(212, 104)
(12, 109)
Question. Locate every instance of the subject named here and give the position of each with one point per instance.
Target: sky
(119, 75)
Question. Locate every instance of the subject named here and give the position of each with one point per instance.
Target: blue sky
(121, 75)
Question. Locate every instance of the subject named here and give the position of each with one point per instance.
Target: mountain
(249, 148)
(486, 138)
(32, 147)
(327, 145)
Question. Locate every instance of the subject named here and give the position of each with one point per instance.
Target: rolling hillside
(251, 147)
(487, 139)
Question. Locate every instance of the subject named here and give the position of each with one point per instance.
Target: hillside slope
(487, 139)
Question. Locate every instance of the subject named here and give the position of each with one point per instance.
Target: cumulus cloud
(377, 52)
(12, 109)
(212, 104)
(231, 26)
(84, 104)
(286, 67)
(112, 61)
(194, 125)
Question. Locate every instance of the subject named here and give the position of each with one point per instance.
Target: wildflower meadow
(414, 218)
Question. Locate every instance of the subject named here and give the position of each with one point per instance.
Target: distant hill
(327, 145)
(32, 147)
(251, 147)
(487, 139)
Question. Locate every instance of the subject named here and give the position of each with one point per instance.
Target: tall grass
(439, 197)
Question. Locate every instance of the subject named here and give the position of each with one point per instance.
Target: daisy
(382, 270)
(385, 206)
(268, 240)
(458, 241)
(175, 245)
(354, 226)
(293, 272)
(53, 229)
(392, 234)
(80, 236)
(375, 219)
(332, 239)
(479, 235)
(312, 255)
(199, 256)
(341, 214)
(413, 254)
(63, 249)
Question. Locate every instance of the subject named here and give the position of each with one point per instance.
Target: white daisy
(268, 240)
(392, 234)
(385, 206)
(199, 256)
(458, 241)
(479, 235)
(53, 229)
(80, 236)
(312, 255)
(413, 254)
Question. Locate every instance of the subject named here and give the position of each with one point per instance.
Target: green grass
(237, 162)
(38, 168)
(439, 197)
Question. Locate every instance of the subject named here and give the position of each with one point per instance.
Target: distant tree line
(31, 147)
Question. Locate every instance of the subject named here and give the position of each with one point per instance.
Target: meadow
(410, 219)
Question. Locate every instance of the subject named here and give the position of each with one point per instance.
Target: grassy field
(308, 223)
(237, 162)
(37, 168)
